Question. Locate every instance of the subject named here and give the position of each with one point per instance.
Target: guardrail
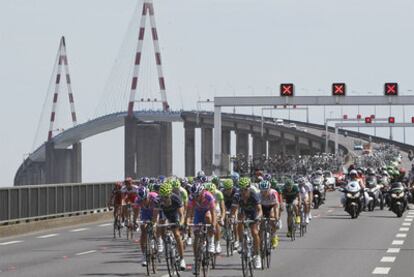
(25, 203)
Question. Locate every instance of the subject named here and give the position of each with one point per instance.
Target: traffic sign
(368, 120)
(391, 119)
(338, 89)
(286, 89)
(391, 89)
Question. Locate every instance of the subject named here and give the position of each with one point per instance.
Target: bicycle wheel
(115, 226)
(263, 246)
(251, 268)
(205, 261)
(268, 250)
(148, 258)
(244, 259)
(168, 259)
(174, 261)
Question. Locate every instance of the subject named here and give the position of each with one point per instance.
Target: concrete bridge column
(130, 147)
(63, 165)
(207, 150)
(242, 143)
(283, 145)
(259, 146)
(225, 150)
(189, 149)
(274, 147)
(166, 155)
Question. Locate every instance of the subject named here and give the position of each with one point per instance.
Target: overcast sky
(209, 47)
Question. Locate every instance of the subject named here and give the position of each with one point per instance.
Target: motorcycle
(375, 196)
(319, 193)
(353, 202)
(398, 199)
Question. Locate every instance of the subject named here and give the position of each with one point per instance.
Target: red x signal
(391, 89)
(359, 116)
(345, 116)
(368, 120)
(391, 119)
(412, 119)
(286, 89)
(338, 89)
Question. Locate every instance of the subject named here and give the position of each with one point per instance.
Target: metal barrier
(42, 201)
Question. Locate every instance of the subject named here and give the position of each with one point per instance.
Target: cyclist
(235, 177)
(201, 207)
(292, 197)
(269, 199)
(116, 201)
(229, 191)
(172, 209)
(220, 212)
(306, 193)
(247, 202)
(147, 203)
(183, 194)
(129, 195)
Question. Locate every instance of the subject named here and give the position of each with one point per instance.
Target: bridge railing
(26, 203)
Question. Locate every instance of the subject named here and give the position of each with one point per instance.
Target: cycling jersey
(228, 198)
(171, 211)
(218, 196)
(117, 196)
(129, 193)
(290, 196)
(182, 192)
(270, 199)
(148, 208)
(248, 206)
(200, 208)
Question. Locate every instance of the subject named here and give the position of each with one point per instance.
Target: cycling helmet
(244, 182)
(165, 189)
(210, 187)
(289, 183)
(301, 181)
(370, 171)
(128, 180)
(145, 181)
(267, 177)
(353, 172)
(161, 178)
(196, 190)
(175, 184)
(156, 187)
(264, 185)
(200, 174)
(227, 183)
(190, 179)
(402, 171)
(142, 192)
(118, 185)
(215, 180)
(235, 176)
(203, 179)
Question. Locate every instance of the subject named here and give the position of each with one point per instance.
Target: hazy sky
(209, 47)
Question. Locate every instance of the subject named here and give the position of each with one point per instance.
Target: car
(292, 125)
(279, 122)
(358, 147)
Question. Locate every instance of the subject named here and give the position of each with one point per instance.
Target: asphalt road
(335, 245)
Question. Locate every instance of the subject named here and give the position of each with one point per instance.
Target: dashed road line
(84, 253)
(408, 219)
(48, 236)
(381, 270)
(400, 235)
(393, 250)
(11, 242)
(404, 229)
(105, 225)
(79, 230)
(397, 242)
(387, 259)
(406, 224)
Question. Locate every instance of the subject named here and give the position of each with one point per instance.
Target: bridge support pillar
(274, 147)
(63, 165)
(148, 148)
(225, 150)
(189, 149)
(259, 146)
(207, 150)
(242, 143)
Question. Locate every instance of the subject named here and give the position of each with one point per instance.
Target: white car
(330, 180)
(279, 122)
(292, 125)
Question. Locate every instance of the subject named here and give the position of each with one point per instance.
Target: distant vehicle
(358, 147)
(292, 125)
(279, 122)
(330, 180)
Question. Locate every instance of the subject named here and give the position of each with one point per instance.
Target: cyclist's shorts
(266, 211)
(200, 216)
(172, 218)
(146, 214)
(250, 215)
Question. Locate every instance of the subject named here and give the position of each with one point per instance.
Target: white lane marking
(408, 219)
(388, 259)
(11, 242)
(397, 242)
(401, 236)
(410, 216)
(105, 224)
(79, 230)
(381, 270)
(404, 229)
(406, 224)
(48, 236)
(393, 250)
(84, 253)
(330, 211)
